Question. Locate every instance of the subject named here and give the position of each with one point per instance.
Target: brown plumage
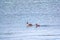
(37, 25)
(29, 24)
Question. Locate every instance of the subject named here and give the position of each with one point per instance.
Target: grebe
(29, 24)
(37, 25)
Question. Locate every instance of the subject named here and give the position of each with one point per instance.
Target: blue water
(18, 33)
(14, 14)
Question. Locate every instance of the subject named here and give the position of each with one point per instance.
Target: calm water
(15, 13)
(18, 33)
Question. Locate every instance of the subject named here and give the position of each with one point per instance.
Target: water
(14, 14)
(42, 33)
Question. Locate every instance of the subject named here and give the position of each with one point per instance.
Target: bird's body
(37, 25)
(29, 24)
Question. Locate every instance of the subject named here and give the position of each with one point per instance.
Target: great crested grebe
(29, 24)
(37, 25)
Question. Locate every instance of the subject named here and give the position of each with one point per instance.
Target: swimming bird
(37, 25)
(29, 24)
